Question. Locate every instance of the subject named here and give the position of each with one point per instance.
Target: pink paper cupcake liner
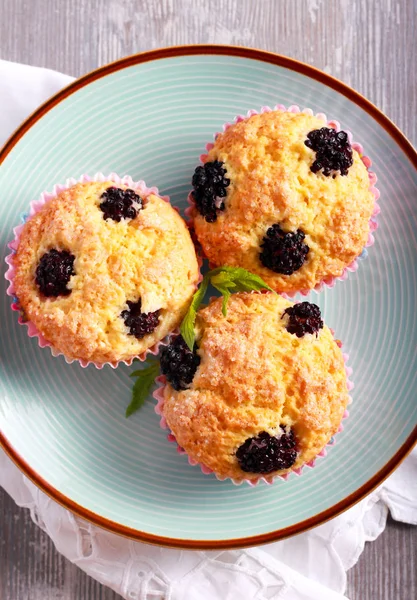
(158, 394)
(373, 225)
(35, 206)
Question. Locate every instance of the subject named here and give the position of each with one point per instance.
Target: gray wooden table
(369, 44)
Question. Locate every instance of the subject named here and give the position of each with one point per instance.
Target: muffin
(285, 197)
(103, 270)
(263, 392)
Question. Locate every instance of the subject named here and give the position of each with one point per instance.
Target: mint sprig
(143, 384)
(187, 325)
(226, 280)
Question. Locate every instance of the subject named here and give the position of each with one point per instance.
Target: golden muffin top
(279, 207)
(105, 272)
(257, 386)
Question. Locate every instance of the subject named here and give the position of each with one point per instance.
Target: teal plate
(150, 116)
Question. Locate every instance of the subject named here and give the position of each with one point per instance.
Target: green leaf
(226, 296)
(247, 281)
(187, 325)
(141, 372)
(223, 283)
(224, 289)
(235, 279)
(142, 386)
(226, 280)
(222, 278)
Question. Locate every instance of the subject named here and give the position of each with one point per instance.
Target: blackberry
(333, 151)
(209, 183)
(140, 324)
(283, 252)
(118, 204)
(303, 318)
(179, 364)
(54, 271)
(265, 453)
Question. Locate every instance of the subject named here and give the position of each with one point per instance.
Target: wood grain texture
(369, 44)
(387, 570)
(31, 568)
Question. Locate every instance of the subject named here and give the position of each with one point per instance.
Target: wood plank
(387, 569)
(30, 566)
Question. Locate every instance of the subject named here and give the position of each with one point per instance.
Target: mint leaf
(226, 295)
(142, 386)
(187, 325)
(223, 283)
(142, 372)
(245, 280)
(226, 280)
(224, 289)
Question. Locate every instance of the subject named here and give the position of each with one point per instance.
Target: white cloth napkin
(311, 566)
